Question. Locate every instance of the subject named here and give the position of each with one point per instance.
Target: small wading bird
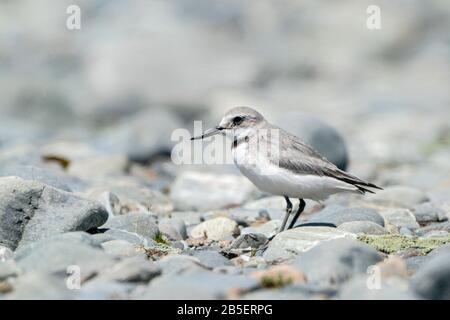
(293, 169)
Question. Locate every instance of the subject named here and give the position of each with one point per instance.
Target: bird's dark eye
(237, 120)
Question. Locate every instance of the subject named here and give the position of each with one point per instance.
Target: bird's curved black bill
(208, 133)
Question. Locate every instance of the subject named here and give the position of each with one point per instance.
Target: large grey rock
(197, 286)
(59, 252)
(399, 196)
(432, 280)
(338, 215)
(336, 261)
(215, 229)
(365, 227)
(320, 135)
(206, 191)
(140, 223)
(30, 211)
(287, 244)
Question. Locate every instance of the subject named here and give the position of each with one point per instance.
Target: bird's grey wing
(300, 158)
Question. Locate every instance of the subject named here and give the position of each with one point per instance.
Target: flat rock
(287, 244)
(140, 223)
(366, 227)
(336, 261)
(31, 211)
(215, 229)
(398, 196)
(338, 215)
(201, 191)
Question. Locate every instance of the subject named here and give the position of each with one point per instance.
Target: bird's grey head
(237, 122)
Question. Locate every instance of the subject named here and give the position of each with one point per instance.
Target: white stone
(215, 229)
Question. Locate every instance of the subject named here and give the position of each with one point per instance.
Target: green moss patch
(277, 281)
(161, 239)
(392, 243)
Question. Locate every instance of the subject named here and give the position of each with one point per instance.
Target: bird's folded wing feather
(300, 158)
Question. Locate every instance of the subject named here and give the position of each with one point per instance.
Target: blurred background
(378, 100)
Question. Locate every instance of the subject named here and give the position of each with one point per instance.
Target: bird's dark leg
(301, 207)
(288, 212)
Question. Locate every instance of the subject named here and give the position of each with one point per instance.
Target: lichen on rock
(392, 243)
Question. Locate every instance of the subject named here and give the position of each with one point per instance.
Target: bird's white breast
(279, 181)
